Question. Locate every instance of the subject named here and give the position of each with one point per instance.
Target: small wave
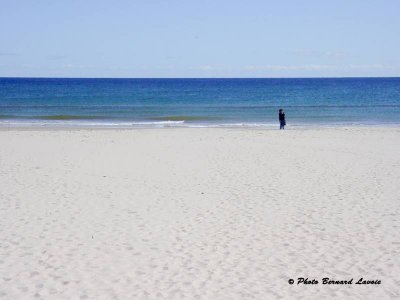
(87, 123)
(7, 117)
(184, 118)
(168, 122)
(54, 117)
(68, 117)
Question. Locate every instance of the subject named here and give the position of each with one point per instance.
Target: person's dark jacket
(281, 116)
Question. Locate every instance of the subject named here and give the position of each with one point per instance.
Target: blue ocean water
(198, 102)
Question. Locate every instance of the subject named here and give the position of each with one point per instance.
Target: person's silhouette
(282, 120)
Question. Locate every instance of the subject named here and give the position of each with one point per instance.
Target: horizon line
(311, 77)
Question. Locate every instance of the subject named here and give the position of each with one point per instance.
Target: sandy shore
(199, 213)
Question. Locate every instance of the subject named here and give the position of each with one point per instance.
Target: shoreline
(238, 127)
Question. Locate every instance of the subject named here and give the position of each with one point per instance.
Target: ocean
(199, 102)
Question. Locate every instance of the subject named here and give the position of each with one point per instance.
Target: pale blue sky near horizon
(255, 38)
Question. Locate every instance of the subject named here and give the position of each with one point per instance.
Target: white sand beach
(186, 213)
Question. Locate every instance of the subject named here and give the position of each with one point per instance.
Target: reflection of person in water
(282, 119)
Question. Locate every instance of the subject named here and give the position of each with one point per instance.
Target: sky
(199, 38)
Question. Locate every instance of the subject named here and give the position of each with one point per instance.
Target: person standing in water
(282, 119)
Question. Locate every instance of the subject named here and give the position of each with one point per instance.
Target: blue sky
(220, 38)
